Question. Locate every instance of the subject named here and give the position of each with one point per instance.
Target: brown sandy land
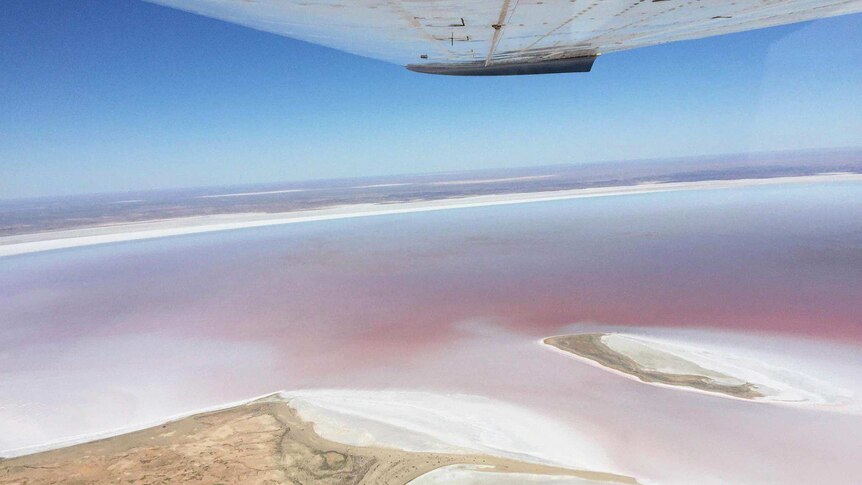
(590, 346)
(262, 442)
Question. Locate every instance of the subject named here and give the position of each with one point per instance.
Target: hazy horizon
(755, 158)
(113, 96)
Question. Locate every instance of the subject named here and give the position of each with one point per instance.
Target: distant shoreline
(64, 239)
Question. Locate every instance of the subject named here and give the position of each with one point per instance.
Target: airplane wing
(502, 37)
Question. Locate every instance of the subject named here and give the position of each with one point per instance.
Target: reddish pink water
(108, 336)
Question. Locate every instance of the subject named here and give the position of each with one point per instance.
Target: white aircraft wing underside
(475, 37)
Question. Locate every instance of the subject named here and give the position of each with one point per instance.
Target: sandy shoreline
(346, 416)
(271, 440)
(46, 241)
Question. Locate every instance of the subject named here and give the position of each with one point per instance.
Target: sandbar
(705, 367)
(594, 346)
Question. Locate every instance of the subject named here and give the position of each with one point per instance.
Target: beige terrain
(590, 346)
(261, 442)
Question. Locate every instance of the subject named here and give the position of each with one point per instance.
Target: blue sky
(112, 95)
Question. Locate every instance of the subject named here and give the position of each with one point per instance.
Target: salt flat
(451, 304)
(424, 421)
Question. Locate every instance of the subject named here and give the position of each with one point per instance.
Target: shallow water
(100, 337)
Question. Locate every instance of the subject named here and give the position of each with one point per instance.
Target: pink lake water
(102, 337)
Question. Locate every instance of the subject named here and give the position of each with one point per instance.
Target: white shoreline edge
(111, 433)
(47, 241)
